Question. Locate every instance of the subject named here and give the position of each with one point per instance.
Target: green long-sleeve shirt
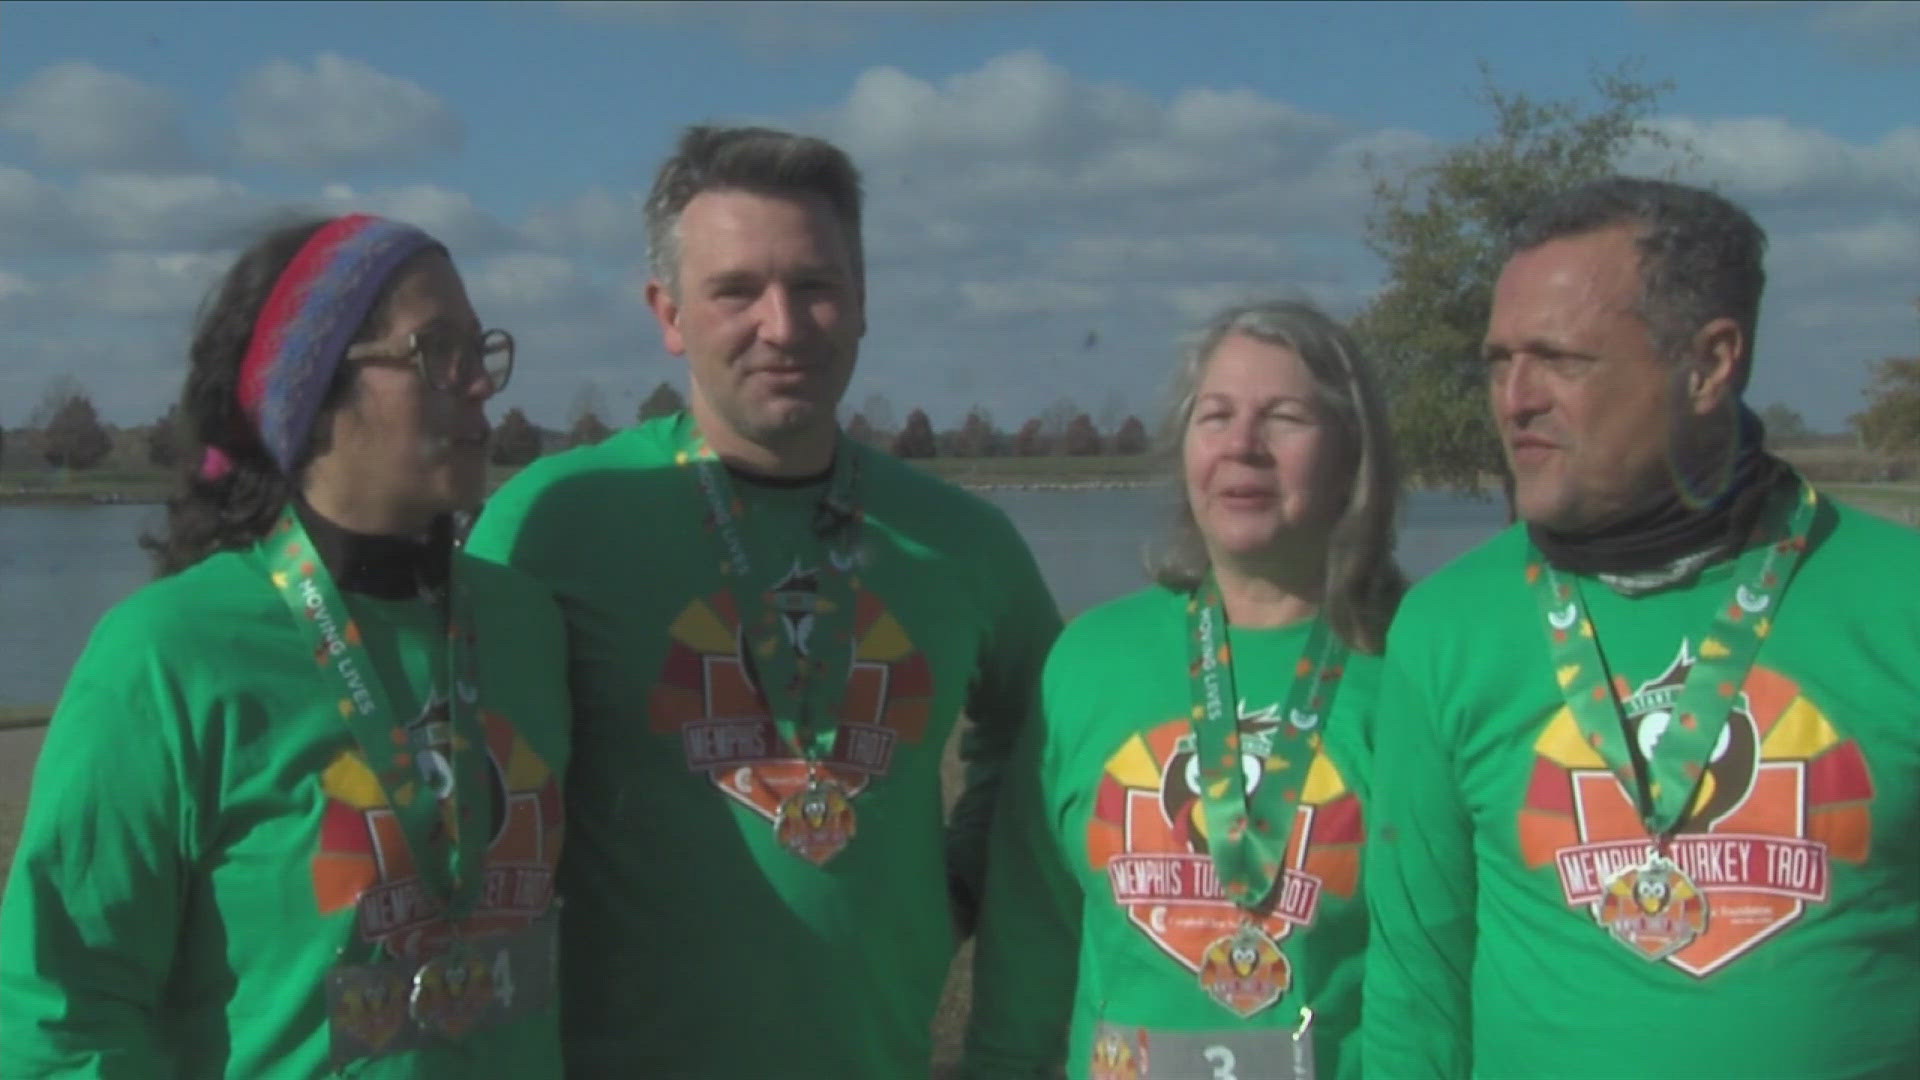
(1496, 827)
(695, 944)
(1098, 909)
(204, 841)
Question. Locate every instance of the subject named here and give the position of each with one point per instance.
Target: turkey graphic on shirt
(1148, 835)
(1783, 795)
(707, 695)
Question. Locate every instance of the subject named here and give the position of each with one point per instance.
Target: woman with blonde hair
(1174, 883)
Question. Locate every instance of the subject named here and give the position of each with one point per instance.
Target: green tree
(1784, 424)
(859, 430)
(1891, 422)
(75, 438)
(515, 440)
(664, 401)
(916, 438)
(1442, 228)
(977, 436)
(587, 430)
(164, 439)
(1081, 439)
(1032, 440)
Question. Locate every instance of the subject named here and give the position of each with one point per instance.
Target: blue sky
(1035, 171)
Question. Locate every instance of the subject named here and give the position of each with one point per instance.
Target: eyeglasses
(449, 362)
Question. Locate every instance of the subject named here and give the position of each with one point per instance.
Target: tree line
(1440, 229)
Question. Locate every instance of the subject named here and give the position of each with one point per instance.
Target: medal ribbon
(1680, 753)
(801, 667)
(1247, 831)
(409, 774)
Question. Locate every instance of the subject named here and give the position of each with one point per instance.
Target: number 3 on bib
(1222, 1061)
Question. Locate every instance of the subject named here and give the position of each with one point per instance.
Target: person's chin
(789, 416)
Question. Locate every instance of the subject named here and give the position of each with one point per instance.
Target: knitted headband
(310, 317)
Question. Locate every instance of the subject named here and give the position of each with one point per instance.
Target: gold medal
(815, 822)
(1653, 908)
(1245, 971)
(451, 993)
(1119, 1054)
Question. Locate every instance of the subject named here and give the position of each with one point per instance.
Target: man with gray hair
(1647, 768)
(773, 632)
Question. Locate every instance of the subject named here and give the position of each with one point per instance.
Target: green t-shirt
(1497, 829)
(204, 841)
(695, 944)
(1102, 907)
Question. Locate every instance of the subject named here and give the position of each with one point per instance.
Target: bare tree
(1113, 411)
(1055, 418)
(60, 390)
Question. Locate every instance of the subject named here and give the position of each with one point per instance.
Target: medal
(1245, 971)
(451, 992)
(1653, 908)
(796, 634)
(1120, 1054)
(387, 1007)
(815, 822)
(1249, 782)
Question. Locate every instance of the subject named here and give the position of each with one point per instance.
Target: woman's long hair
(219, 510)
(1363, 583)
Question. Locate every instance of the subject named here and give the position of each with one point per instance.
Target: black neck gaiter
(1676, 527)
(386, 567)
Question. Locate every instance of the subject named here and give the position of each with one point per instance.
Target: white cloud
(596, 220)
(451, 216)
(337, 113)
(524, 280)
(775, 27)
(169, 284)
(79, 114)
(1886, 244)
(1882, 30)
(33, 214)
(135, 210)
(1769, 158)
(1033, 296)
(13, 287)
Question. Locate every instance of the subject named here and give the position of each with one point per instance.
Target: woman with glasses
(299, 808)
(1173, 888)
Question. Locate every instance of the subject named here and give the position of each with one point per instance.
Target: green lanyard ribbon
(1249, 818)
(1677, 755)
(433, 772)
(798, 628)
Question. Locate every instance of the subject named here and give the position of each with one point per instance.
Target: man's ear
(1718, 362)
(666, 311)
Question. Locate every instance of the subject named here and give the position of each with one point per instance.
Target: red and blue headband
(316, 307)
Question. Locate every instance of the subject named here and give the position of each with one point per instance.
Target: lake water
(60, 568)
